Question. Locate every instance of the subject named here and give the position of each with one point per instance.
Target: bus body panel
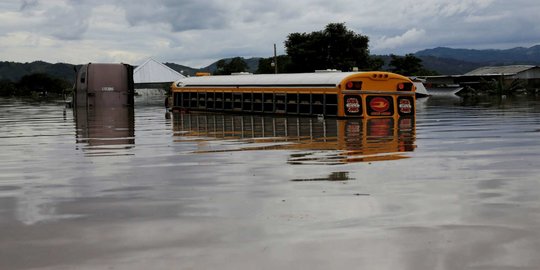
(339, 94)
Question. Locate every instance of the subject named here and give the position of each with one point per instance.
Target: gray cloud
(181, 15)
(200, 32)
(63, 20)
(68, 23)
(25, 4)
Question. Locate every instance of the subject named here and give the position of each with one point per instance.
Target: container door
(81, 91)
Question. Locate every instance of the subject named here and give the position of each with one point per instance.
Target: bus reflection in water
(326, 141)
(105, 131)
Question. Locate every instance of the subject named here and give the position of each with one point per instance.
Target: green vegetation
(35, 85)
(408, 65)
(15, 71)
(225, 67)
(7, 88)
(335, 47)
(266, 64)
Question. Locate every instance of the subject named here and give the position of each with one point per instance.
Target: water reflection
(105, 131)
(326, 141)
(335, 176)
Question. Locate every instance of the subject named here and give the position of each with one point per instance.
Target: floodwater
(457, 188)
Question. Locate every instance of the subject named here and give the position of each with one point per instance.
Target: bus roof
(328, 79)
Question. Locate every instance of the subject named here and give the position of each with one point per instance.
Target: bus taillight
(357, 85)
(404, 86)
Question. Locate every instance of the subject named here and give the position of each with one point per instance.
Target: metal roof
(152, 71)
(320, 79)
(500, 70)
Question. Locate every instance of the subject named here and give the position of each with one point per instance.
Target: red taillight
(354, 85)
(404, 86)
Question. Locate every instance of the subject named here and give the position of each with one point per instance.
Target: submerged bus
(333, 94)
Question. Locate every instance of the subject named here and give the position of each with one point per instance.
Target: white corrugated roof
(499, 70)
(152, 71)
(327, 78)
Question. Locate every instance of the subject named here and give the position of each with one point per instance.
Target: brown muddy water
(119, 189)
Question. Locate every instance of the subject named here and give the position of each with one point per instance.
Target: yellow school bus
(334, 94)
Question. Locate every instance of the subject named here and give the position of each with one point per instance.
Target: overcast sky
(197, 33)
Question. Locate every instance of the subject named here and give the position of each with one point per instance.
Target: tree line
(334, 47)
(37, 84)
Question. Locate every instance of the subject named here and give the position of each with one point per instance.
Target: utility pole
(275, 59)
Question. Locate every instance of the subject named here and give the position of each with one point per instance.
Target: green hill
(442, 60)
(13, 71)
(187, 71)
(252, 63)
(519, 55)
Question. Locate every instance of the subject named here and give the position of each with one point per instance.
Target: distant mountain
(15, 71)
(442, 60)
(448, 66)
(253, 65)
(519, 55)
(187, 71)
(439, 65)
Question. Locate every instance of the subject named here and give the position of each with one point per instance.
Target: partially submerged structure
(337, 94)
(104, 85)
(524, 72)
(153, 78)
(526, 77)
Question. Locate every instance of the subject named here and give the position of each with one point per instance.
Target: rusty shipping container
(104, 85)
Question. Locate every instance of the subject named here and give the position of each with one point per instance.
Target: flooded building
(154, 78)
(523, 72)
(517, 77)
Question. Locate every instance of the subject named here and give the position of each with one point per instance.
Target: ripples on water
(138, 188)
(324, 141)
